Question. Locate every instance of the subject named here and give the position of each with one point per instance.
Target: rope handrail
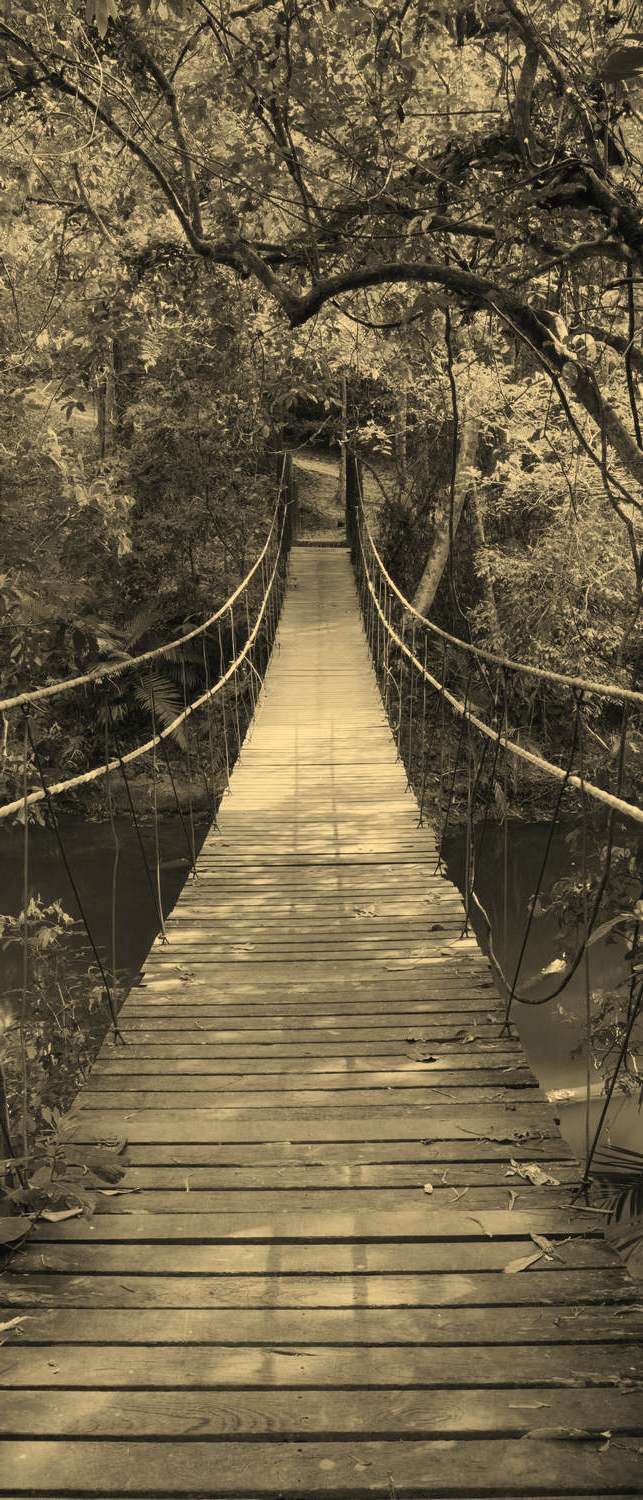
(543, 674)
(617, 804)
(107, 766)
(118, 668)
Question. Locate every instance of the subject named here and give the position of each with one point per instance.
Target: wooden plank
(313, 1177)
(314, 1200)
(168, 1367)
(414, 1468)
(426, 1223)
(203, 1125)
(336, 1161)
(161, 1320)
(463, 1256)
(323, 1413)
(610, 1286)
(274, 1079)
(197, 1049)
(272, 1099)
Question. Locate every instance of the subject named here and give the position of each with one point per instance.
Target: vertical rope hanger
(135, 822)
(224, 711)
(155, 808)
(70, 876)
(211, 753)
(24, 1060)
(115, 860)
(188, 756)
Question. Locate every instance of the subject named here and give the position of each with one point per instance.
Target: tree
(318, 157)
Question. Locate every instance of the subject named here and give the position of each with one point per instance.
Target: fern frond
(619, 1170)
(157, 694)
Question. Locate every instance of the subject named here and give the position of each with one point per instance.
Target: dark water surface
(553, 1035)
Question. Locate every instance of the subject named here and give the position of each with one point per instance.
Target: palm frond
(159, 696)
(619, 1171)
(144, 619)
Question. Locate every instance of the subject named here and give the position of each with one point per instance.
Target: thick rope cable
(542, 674)
(118, 668)
(545, 767)
(86, 777)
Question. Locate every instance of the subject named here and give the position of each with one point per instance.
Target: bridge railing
(442, 692)
(235, 642)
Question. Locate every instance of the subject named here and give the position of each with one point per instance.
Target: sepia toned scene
(321, 750)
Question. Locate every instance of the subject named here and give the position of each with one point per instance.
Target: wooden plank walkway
(282, 1308)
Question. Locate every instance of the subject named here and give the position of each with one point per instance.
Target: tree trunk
(438, 557)
(401, 434)
(342, 444)
(483, 571)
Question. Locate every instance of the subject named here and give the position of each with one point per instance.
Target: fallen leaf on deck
(481, 1226)
(512, 1198)
(527, 1405)
(547, 1246)
(13, 1229)
(56, 1215)
(532, 1173)
(563, 1435)
(465, 1036)
(428, 1187)
(13, 1322)
(522, 1263)
(115, 1192)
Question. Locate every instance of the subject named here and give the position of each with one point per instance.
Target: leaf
(562, 1435)
(522, 1263)
(13, 1322)
(629, 917)
(532, 1173)
(622, 62)
(100, 12)
(547, 1246)
(55, 1215)
(428, 1187)
(13, 1229)
(115, 1192)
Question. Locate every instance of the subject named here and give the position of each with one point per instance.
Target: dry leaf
(56, 1215)
(522, 1263)
(531, 1173)
(12, 1229)
(115, 1192)
(428, 1187)
(563, 1435)
(547, 1246)
(482, 1226)
(13, 1322)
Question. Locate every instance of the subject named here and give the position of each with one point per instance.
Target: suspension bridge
(347, 1256)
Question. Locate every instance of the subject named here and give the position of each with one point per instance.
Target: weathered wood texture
(302, 1288)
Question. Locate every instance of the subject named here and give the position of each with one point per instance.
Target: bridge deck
(284, 1308)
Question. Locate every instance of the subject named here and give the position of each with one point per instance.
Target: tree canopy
(335, 175)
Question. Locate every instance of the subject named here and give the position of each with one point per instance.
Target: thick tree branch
(522, 101)
(476, 292)
(169, 95)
